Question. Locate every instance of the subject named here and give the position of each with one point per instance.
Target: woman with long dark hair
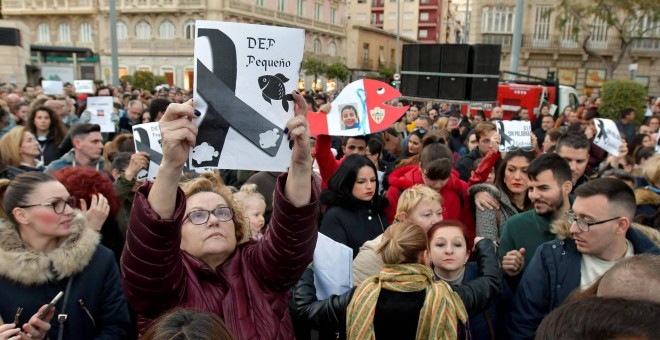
(50, 132)
(510, 190)
(355, 213)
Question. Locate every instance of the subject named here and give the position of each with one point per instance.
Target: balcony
(503, 39)
(276, 17)
(556, 42)
(149, 6)
(367, 64)
(48, 7)
(377, 4)
(154, 46)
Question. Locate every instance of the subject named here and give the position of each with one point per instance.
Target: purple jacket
(249, 291)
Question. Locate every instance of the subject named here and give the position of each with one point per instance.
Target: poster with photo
(607, 136)
(101, 109)
(361, 108)
(244, 76)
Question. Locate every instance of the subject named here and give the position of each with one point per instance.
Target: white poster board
(63, 73)
(333, 267)
(84, 86)
(101, 109)
(515, 134)
(607, 136)
(54, 87)
(244, 76)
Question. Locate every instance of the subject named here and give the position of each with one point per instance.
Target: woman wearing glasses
(186, 247)
(46, 247)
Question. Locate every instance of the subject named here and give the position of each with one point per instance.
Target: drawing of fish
(272, 88)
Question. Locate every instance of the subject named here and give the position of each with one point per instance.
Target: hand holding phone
(51, 305)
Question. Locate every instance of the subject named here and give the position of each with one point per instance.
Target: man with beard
(596, 234)
(549, 188)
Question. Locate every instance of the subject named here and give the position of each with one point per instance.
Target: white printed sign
(84, 86)
(515, 134)
(101, 109)
(244, 76)
(607, 136)
(54, 87)
(147, 139)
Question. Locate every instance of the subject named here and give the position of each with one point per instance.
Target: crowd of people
(451, 238)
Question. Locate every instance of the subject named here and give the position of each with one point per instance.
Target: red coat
(249, 291)
(454, 206)
(328, 165)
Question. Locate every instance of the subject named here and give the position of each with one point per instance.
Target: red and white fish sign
(361, 108)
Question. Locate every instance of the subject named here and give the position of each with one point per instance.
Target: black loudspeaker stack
(451, 58)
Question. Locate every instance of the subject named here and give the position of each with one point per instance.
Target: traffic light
(392, 82)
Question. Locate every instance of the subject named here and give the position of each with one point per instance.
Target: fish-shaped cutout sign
(272, 88)
(359, 109)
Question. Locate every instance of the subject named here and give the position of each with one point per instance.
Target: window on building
(392, 54)
(373, 18)
(424, 16)
(381, 56)
(281, 5)
(189, 30)
(598, 33)
(648, 27)
(122, 30)
(43, 33)
(569, 33)
(381, 17)
(391, 15)
(143, 30)
(333, 16)
(408, 33)
(300, 7)
(423, 34)
(166, 30)
(541, 37)
(362, 1)
(332, 49)
(317, 11)
(317, 46)
(365, 53)
(424, 2)
(497, 20)
(85, 33)
(408, 15)
(64, 33)
(361, 17)
(260, 3)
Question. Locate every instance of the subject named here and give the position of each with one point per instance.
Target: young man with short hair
(484, 132)
(574, 148)
(87, 149)
(599, 235)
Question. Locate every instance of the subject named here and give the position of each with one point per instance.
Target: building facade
(158, 35)
(549, 45)
(374, 50)
(425, 21)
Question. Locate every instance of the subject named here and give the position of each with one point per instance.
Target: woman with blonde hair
(403, 301)
(20, 148)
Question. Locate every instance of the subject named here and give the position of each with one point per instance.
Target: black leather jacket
(330, 315)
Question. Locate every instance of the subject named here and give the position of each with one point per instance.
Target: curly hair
(82, 182)
(211, 182)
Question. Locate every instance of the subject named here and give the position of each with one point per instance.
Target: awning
(62, 49)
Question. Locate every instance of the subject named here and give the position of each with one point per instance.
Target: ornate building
(158, 35)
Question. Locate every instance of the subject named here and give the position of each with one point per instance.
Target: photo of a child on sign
(244, 77)
(349, 117)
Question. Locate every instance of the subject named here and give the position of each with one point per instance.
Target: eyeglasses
(223, 214)
(585, 225)
(524, 148)
(58, 205)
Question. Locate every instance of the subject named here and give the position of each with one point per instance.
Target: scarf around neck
(438, 318)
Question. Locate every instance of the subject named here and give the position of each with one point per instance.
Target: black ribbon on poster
(224, 109)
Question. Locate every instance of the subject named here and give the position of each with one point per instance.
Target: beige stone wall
(15, 58)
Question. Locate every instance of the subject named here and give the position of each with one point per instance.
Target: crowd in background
(450, 237)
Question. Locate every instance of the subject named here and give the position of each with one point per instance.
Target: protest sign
(101, 109)
(359, 109)
(84, 86)
(607, 136)
(55, 87)
(515, 134)
(333, 267)
(244, 76)
(147, 139)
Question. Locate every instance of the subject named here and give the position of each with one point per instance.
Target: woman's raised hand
(298, 133)
(178, 134)
(98, 211)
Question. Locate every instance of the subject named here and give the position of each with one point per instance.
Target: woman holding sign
(183, 244)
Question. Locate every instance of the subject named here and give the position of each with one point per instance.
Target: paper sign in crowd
(54, 87)
(607, 136)
(515, 134)
(84, 86)
(101, 109)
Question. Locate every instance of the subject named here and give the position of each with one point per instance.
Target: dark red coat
(455, 199)
(249, 291)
